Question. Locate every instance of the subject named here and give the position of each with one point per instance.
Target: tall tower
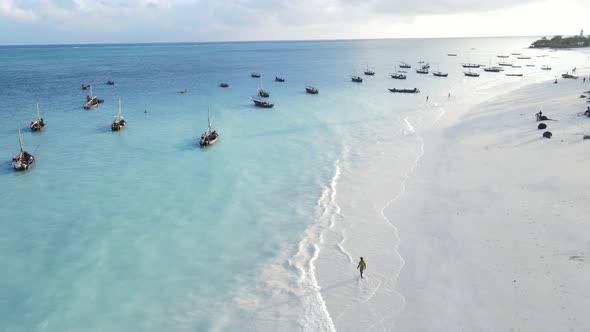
(582, 33)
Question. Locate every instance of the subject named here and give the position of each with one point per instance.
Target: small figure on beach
(449, 97)
(362, 266)
(539, 115)
(555, 82)
(584, 80)
(426, 98)
(587, 113)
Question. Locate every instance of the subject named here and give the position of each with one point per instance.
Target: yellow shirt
(362, 265)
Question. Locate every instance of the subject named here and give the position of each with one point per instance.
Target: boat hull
(404, 90)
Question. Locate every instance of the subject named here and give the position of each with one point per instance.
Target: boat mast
(119, 110)
(38, 116)
(91, 96)
(20, 141)
(209, 121)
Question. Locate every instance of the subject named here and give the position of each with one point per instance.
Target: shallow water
(143, 230)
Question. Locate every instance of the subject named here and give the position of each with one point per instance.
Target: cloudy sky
(117, 21)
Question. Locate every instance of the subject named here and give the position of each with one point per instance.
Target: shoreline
(465, 201)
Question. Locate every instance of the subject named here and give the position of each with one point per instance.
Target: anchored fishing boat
(493, 69)
(262, 103)
(514, 74)
(404, 65)
(85, 86)
(184, 91)
(39, 123)
(503, 56)
(439, 73)
(414, 90)
(311, 90)
(210, 136)
(471, 73)
(451, 54)
(255, 75)
(368, 71)
(119, 123)
(422, 71)
(545, 67)
(279, 79)
(505, 64)
(470, 65)
(223, 85)
(24, 160)
(109, 82)
(92, 101)
(261, 92)
(356, 79)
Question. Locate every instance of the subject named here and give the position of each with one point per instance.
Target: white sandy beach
(493, 222)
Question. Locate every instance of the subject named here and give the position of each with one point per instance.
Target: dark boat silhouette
(23, 160)
(39, 123)
(311, 90)
(262, 103)
(414, 90)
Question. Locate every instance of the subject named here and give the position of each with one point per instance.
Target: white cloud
(9, 9)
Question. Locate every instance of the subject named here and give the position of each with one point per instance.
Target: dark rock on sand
(542, 126)
(547, 134)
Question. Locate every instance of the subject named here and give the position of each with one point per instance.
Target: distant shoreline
(190, 43)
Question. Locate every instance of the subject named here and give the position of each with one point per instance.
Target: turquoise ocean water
(141, 230)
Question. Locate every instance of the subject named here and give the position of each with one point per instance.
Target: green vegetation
(562, 42)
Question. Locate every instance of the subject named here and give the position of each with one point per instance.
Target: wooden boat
(422, 71)
(516, 66)
(279, 79)
(119, 123)
(503, 56)
(39, 123)
(530, 65)
(311, 90)
(223, 85)
(505, 64)
(439, 73)
(92, 101)
(568, 75)
(471, 74)
(262, 103)
(210, 136)
(493, 69)
(109, 82)
(513, 74)
(424, 65)
(523, 57)
(404, 65)
(24, 160)
(398, 76)
(451, 54)
(184, 91)
(255, 75)
(470, 65)
(262, 93)
(414, 90)
(85, 86)
(368, 71)
(356, 79)
(545, 67)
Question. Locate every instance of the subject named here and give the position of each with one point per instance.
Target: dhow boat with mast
(119, 123)
(39, 123)
(24, 160)
(210, 136)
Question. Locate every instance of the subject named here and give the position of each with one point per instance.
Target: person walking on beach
(426, 98)
(362, 266)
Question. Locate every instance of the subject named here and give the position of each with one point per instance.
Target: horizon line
(251, 41)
